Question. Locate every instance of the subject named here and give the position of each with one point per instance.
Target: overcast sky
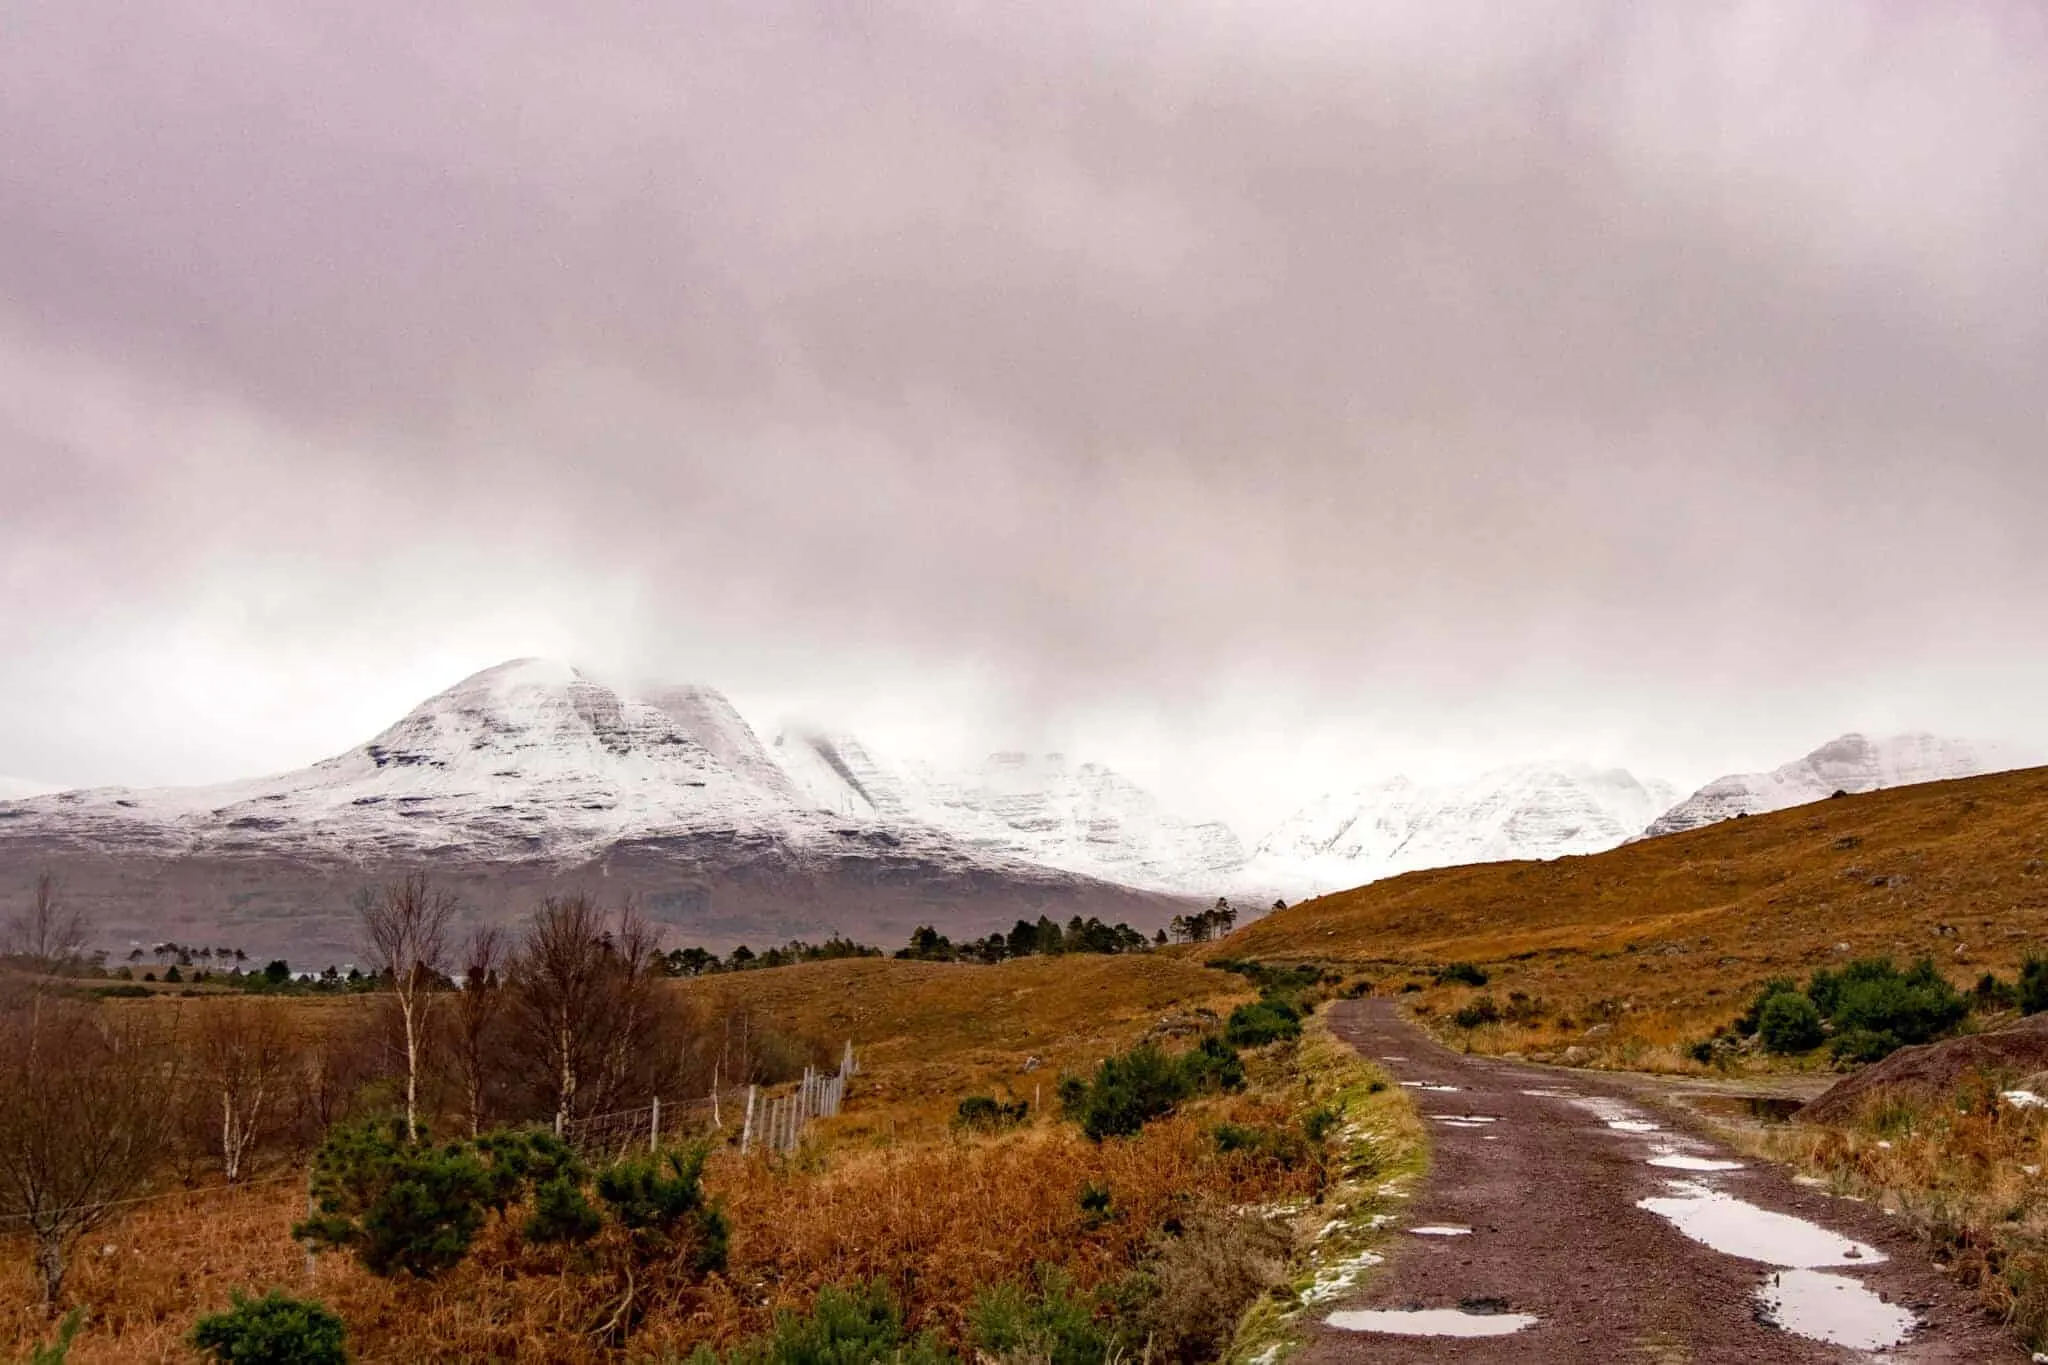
(1261, 396)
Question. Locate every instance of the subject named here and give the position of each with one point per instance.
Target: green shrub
(1095, 1201)
(401, 1207)
(1914, 1006)
(857, 1326)
(1483, 1010)
(1284, 1147)
(561, 1213)
(1319, 1123)
(1790, 1023)
(1863, 1045)
(2033, 987)
(1053, 1324)
(1751, 1019)
(1133, 1088)
(1262, 1022)
(1462, 974)
(1210, 1067)
(656, 1199)
(273, 1330)
(1992, 993)
(987, 1114)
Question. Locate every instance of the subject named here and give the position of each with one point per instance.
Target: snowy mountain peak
(1530, 810)
(1852, 763)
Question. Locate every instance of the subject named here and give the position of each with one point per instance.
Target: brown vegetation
(892, 1189)
(1661, 941)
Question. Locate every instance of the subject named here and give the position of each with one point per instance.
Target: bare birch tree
(85, 1120)
(585, 1006)
(405, 936)
(245, 1056)
(479, 1012)
(47, 930)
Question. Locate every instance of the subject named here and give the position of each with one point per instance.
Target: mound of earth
(1936, 1068)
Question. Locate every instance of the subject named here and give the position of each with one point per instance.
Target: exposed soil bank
(1553, 1189)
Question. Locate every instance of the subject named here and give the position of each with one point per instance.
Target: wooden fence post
(747, 1133)
(654, 1127)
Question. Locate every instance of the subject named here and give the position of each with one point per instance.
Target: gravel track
(1550, 1190)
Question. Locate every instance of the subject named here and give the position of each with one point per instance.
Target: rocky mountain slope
(530, 776)
(1080, 817)
(1853, 764)
(1535, 810)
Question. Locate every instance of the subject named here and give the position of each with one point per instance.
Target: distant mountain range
(1536, 810)
(1853, 763)
(535, 776)
(526, 778)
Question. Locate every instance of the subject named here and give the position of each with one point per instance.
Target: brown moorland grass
(888, 1189)
(1663, 940)
(929, 1033)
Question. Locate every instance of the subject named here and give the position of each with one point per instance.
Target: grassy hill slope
(1666, 936)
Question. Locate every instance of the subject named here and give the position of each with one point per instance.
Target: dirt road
(1531, 1227)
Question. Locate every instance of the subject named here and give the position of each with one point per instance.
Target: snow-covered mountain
(1080, 817)
(530, 775)
(20, 788)
(1534, 810)
(1853, 763)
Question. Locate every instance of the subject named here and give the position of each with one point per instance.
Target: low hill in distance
(1665, 937)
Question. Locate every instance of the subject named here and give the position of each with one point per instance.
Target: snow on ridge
(1852, 763)
(22, 788)
(1083, 818)
(1527, 810)
(538, 760)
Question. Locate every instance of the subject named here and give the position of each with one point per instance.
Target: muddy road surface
(1568, 1218)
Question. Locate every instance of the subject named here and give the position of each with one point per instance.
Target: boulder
(1934, 1069)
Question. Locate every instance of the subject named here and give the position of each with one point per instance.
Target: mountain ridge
(1852, 763)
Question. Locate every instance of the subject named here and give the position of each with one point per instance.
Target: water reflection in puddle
(1441, 1230)
(1834, 1309)
(1735, 1227)
(1632, 1126)
(1761, 1108)
(1678, 1161)
(1432, 1322)
(1425, 1085)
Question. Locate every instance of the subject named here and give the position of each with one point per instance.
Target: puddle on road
(1678, 1161)
(2022, 1099)
(1432, 1322)
(1759, 1108)
(1437, 1089)
(1735, 1227)
(1553, 1094)
(1834, 1309)
(1622, 1118)
(1441, 1230)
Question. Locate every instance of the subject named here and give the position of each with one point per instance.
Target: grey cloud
(1458, 371)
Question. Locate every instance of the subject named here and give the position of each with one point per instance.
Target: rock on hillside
(1853, 763)
(528, 777)
(1536, 810)
(1936, 1068)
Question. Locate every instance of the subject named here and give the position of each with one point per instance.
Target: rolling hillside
(1670, 932)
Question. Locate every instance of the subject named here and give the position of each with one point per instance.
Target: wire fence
(771, 1118)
